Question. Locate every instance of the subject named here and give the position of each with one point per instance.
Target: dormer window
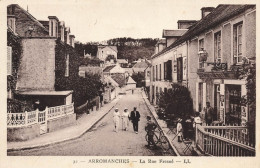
(11, 22)
(53, 26)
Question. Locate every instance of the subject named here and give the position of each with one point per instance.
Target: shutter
(165, 70)
(9, 60)
(179, 69)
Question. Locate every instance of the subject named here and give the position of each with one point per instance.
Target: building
(123, 63)
(131, 84)
(47, 58)
(206, 59)
(108, 54)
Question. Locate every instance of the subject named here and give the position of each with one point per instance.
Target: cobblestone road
(101, 140)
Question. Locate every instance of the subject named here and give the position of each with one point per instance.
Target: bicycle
(159, 137)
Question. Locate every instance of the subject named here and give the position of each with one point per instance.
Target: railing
(32, 117)
(223, 141)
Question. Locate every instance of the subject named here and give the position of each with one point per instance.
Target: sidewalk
(178, 147)
(81, 126)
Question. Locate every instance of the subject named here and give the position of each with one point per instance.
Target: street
(101, 140)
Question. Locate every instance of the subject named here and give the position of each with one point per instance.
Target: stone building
(48, 59)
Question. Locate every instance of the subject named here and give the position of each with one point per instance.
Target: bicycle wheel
(163, 139)
(156, 139)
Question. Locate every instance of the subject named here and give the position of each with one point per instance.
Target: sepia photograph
(130, 78)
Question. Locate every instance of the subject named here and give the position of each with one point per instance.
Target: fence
(32, 117)
(224, 141)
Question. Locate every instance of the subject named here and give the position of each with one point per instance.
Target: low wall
(61, 122)
(23, 133)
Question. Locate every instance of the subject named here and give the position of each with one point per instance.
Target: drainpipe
(187, 63)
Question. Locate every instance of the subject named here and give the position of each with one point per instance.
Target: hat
(179, 120)
(116, 108)
(126, 108)
(148, 117)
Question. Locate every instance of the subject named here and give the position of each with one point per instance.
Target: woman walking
(116, 117)
(125, 118)
(179, 130)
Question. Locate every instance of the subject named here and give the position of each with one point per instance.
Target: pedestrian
(125, 119)
(208, 113)
(197, 120)
(135, 118)
(150, 128)
(132, 91)
(116, 117)
(179, 129)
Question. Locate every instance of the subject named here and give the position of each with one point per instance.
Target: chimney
(206, 10)
(67, 35)
(62, 31)
(185, 24)
(72, 43)
(53, 26)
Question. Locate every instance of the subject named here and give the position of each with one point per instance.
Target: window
(9, 60)
(217, 48)
(237, 44)
(179, 69)
(201, 48)
(201, 44)
(67, 66)
(168, 70)
(160, 71)
(153, 74)
(156, 73)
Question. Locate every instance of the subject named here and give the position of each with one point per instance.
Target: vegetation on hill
(128, 48)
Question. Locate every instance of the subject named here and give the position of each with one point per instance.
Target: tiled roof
(108, 68)
(217, 16)
(112, 47)
(174, 33)
(119, 78)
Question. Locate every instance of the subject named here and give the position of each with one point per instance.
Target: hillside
(128, 48)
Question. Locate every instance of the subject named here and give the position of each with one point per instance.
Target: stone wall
(37, 69)
(23, 133)
(62, 122)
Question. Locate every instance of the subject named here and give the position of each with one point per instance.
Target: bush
(176, 102)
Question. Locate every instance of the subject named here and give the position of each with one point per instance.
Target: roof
(108, 68)
(108, 79)
(130, 80)
(143, 64)
(104, 46)
(173, 33)
(30, 16)
(217, 16)
(186, 21)
(119, 78)
(122, 61)
(45, 93)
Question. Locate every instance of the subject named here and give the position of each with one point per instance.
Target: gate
(42, 115)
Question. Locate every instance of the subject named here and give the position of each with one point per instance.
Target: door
(42, 115)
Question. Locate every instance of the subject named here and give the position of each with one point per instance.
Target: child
(197, 120)
(179, 129)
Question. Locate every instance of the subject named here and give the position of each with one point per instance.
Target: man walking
(135, 118)
(149, 128)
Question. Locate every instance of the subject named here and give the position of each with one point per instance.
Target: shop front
(225, 94)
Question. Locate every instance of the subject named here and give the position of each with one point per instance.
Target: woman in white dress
(125, 118)
(116, 118)
(179, 129)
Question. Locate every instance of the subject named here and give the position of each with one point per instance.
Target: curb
(63, 140)
(173, 147)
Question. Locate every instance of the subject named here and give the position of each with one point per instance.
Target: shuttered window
(9, 60)
(179, 69)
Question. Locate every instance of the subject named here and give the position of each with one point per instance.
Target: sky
(98, 20)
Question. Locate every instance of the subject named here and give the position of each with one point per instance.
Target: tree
(139, 79)
(176, 102)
